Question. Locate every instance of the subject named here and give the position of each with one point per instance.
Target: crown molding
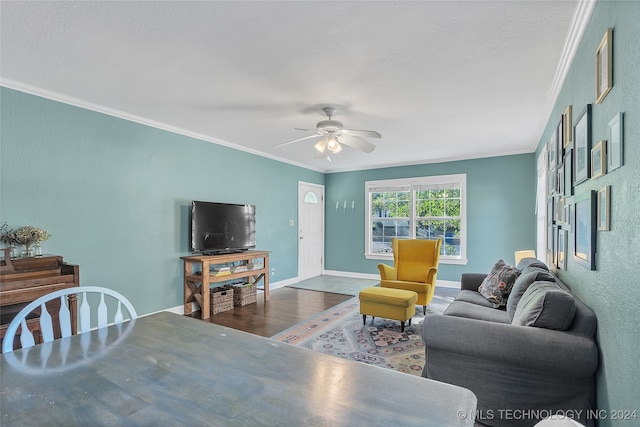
(579, 23)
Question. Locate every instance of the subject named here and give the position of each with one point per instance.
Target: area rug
(339, 331)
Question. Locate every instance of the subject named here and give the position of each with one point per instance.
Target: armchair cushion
(497, 285)
(545, 305)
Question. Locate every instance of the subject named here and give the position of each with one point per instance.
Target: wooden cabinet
(23, 280)
(198, 276)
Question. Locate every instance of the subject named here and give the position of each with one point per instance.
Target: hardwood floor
(285, 308)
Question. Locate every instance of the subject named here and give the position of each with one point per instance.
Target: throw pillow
(522, 283)
(545, 305)
(498, 283)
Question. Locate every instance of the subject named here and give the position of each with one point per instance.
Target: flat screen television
(218, 228)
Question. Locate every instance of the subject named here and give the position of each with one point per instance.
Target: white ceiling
(440, 80)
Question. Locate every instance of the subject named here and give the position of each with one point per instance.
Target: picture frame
(554, 252)
(599, 159)
(563, 236)
(604, 208)
(615, 146)
(567, 134)
(552, 147)
(582, 146)
(561, 184)
(550, 214)
(559, 141)
(584, 236)
(560, 212)
(552, 182)
(604, 66)
(568, 172)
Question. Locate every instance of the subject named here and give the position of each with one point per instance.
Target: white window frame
(412, 183)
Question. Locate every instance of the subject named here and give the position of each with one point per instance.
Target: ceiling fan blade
(297, 140)
(365, 133)
(357, 143)
(307, 130)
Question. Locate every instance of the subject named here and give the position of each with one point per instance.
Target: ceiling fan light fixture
(333, 145)
(321, 145)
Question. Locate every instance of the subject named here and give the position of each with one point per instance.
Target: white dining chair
(105, 300)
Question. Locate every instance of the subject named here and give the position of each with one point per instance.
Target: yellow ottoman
(390, 303)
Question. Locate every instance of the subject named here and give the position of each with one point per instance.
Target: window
(417, 208)
(310, 197)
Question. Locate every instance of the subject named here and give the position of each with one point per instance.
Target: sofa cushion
(531, 262)
(498, 283)
(473, 311)
(522, 283)
(545, 305)
(473, 297)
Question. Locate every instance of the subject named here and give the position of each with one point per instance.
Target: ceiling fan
(333, 136)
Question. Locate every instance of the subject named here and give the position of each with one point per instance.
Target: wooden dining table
(170, 370)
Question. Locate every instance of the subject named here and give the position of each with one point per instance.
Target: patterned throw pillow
(497, 285)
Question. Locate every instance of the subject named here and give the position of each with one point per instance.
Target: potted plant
(30, 236)
(8, 237)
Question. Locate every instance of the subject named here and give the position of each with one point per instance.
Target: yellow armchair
(415, 266)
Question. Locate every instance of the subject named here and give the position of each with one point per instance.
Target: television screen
(222, 227)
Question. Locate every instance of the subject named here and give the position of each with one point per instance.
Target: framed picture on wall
(552, 152)
(554, 253)
(559, 141)
(604, 66)
(550, 214)
(598, 159)
(615, 147)
(584, 225)
(562, 248)
(568, 173)
(567, 134)
(604, 208)
(582, 146)
(561, 183)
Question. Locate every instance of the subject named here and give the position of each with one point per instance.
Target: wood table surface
(171, 370)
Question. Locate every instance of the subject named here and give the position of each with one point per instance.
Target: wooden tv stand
(202, 275)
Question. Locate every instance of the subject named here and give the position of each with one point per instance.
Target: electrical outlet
(273, 271)
(292, 223)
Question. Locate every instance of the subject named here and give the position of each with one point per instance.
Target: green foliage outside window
(437, 215)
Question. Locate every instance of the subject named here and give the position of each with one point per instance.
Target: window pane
(451, 244)
(385, 230)
(437, 207)
(310, 197)
(393, 204)
(452, 207)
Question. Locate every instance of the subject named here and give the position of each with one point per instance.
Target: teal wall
(500, 212)
(116, 195)
(612, 290)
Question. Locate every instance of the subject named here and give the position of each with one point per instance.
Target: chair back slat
(118, 318)
(26, 339)
(85, 314)
(116, 302)
(46, 326)
(65, 318)
(102, 313)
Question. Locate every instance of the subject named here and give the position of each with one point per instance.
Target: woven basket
(221, 300)
(243, 294)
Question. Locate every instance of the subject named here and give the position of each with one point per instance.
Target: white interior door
(310, 230)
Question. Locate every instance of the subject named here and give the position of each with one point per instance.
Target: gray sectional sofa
(532, 358)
